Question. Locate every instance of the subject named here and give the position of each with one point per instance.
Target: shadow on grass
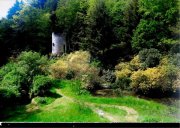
(18, 113)
(53, 95)
(57, 83)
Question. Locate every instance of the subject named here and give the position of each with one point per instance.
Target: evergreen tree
(13, 10)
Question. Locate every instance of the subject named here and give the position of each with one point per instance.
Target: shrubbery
(108, 76)
(123, 73)
(123, 70)
(41, 84)
(8, 95)
(16, 77)
(136, 75)
(76, 65)
(149, 57)
(59, 69)
(135, 63)
(155, 81)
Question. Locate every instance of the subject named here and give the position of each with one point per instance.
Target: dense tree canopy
(111, 30)
(157, 17)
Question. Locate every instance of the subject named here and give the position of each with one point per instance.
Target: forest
(121, 56)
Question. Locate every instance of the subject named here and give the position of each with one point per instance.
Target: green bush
(36, 63)
(16, 77)
(108, 76)
(123, 73)
(6, 69)
(175, 48)
(175, 59)
(8, 96)
(41, 85)
(123, 83)
(90, 82)
(149, 57)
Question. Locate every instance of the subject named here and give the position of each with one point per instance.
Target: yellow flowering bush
(135, 63)
(77, 62)
(122, 70)
(77, 65)
(154, 80)
(59, 69)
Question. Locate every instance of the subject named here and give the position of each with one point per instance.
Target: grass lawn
(70, 107)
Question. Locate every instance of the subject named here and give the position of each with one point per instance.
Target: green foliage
(174, 59)
(167, 45)
(12, 82)
(149, 57)
(162, 11)
(67, 12)
(157, 16)
(7, 93)
(16, 77)
(6, 39)
(91, 82)
(108, 76)
(147, 35)
(95, 30)
(175, 49)
(51, 5)
(6, 69)
(82, 23)
(123, 73)
(123, 83)
(13, 10)
(37, 3)
(9, 96)
(34, 26)
(41, 85)
(70, 19)
(36, 63)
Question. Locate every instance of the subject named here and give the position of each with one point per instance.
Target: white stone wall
(58, 44)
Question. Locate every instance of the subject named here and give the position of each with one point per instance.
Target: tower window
(53, 44)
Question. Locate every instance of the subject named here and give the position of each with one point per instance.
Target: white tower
(58, 44)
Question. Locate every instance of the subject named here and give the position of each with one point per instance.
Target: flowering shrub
(123, 70)
(135, 63)
(76, 65)
(59, 69)
(154, 80)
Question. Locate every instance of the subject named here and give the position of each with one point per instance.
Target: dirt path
(131, 115)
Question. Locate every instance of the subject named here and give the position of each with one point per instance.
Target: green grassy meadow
(70, 107)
